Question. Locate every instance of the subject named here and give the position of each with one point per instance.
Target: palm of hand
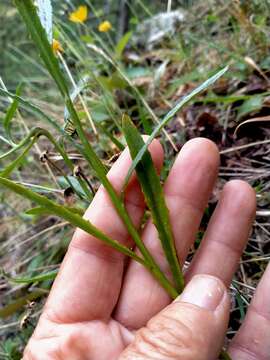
(100, 299)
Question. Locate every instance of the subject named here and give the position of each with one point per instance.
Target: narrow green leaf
(2, 138)
(154, 197)
(33, 137)
(38, 34)
(37, 211)
(122, 43)
(11, 113)
(8, 170)
(32, 279)
(116, 142)
(254, 103)
(22, 143)
(169, 116)
(35, 134)
(32, 108)
(10, 309)
(45, 15)
(66, 214)
(29, 14)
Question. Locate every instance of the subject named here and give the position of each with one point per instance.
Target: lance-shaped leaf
(154, 197)
(76, 220)
(11, 113)
(32, 279)
(67, 214)
(28, 12)
(170, 115)
(32, 108)
(17, 162)
(45, 15)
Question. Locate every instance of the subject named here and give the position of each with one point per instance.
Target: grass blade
(29, 14)
(45, 15)
(66, 214)
(8, 170)
(31, 19)
(170, 115)
(154, 197)
(122, 43)
(76, 220)
(11, 113)
(32, 279)
(22, 143)
(12, 308)
(27, 105)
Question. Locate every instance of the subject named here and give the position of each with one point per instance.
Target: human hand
(103, 306)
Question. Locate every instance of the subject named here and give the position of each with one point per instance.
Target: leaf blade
(154, 197)
(11, 113)
(169, 116)
(66, 214)
(45, 16)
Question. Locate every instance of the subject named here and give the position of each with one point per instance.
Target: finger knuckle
(168, 338)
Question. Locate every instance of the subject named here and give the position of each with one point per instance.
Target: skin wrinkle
(129, 200)
(174, 335)
(156, 336)
(114, 258)
(243, 349)
(66, 319)
(98, 282)
(126, 336)
(127, 309)
(152, 344)
(69, 339)
(220, 243)
(253, 308)
(186, 201)
(155, 246)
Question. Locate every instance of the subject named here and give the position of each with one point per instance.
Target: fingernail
(204, 291)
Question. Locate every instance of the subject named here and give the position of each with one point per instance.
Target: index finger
(90, 278)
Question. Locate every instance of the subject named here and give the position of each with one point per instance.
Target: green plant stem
(7, 170)
(31, 19)
(137, 92)
(78, 221)
(96, 164)
(154, 198)
(169, 116)
(66, 214)
(33, 137)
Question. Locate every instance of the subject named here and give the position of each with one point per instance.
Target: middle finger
(187, 191)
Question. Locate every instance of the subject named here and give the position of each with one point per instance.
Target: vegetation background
(149, 78)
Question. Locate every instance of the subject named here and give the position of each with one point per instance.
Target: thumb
(193, 327)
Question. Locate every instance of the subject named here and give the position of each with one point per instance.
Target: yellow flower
(104, 26)
(79, 15)
(56, 46)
